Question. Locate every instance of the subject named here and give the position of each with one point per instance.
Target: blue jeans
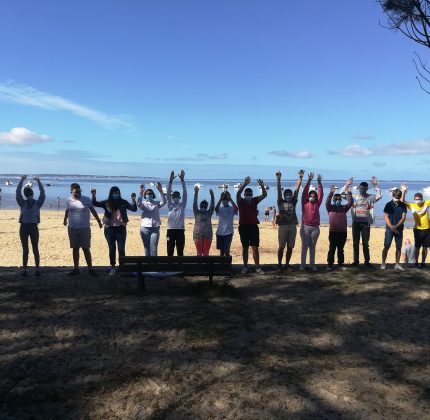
(150, 237)
(115, 235)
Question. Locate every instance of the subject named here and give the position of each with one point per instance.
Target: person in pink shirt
(337, 224)
(310, 229)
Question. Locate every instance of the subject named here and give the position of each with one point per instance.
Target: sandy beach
(55, 251)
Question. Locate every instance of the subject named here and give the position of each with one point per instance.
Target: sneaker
(37, 274)
(279, 268)
(416, 265)
(329, 268)
(314, 268)
(244, 270)
(399, 267)
(368, 265)
(383, 266)
(92, 272)
(423, 265)
(343, 267)
(354, 264)
(24, 273)
(73, 272)
(259, 270)
(112, 271)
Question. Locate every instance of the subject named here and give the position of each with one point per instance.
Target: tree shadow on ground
(333, 345)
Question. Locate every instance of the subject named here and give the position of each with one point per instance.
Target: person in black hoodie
(115, 220)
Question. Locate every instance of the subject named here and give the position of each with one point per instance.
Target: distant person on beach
(310, 229)
(248, 223)
(115, 221)
(395, 216)
(338, 224)
(419, 209)
(267, 213)
(287, 220)
(202, 232)
(176, 216)
(362, 218)
(150, 220)
(29, 219)
(274, 214)
(0, 194)
(225, 230)
(77, 217)
(408, 253)
(58, 202)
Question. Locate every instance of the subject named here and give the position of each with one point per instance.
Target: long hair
(112, 204)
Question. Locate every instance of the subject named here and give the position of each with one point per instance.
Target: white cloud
(12, 92)
(406, 148)
(303, 154)
(20, 136)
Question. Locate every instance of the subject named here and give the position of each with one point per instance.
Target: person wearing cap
(29, 219)
(248, 223)
(176, 216)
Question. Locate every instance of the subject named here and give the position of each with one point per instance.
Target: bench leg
(141, 281)
(211, 281)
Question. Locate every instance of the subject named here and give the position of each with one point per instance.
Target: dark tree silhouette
(412, 19)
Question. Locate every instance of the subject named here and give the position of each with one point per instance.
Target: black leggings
(29, 230)
(175, 237)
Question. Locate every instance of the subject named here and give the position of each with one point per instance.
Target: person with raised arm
(202, 232)
(310, 229)
(176, 216)
(150, 221)
(287, 220)
(77, 218)
(225, 230)
(419, 208)
(248, 222)
(362, 218)
(29, 220)
(395, 215)
(115, 220)
(338, 224)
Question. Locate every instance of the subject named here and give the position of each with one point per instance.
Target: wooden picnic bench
(182, 266)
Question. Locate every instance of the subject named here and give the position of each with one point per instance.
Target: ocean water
(61, 188)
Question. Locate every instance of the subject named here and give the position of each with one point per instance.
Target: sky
(221, 89)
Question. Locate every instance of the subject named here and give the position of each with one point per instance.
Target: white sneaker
(399, 267)
(244, 270)
(112, 271)
(343, 268)
(383, 266)
(259, 270)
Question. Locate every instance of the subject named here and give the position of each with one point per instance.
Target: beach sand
(55, 251)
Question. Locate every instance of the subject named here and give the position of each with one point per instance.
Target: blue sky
(220, 88)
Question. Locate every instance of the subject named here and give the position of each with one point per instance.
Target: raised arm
(42, 194)
(94, 201)
(305, 193)
(218, 204)
(378, 190)
(404, 190)
(320, 190)
(140, 199)
(212, 203)
(245, 182)
(298, 183)
(278, 185)
(263, 194)
(184, 189)
(162, 195)
(19, 197)
(196, 194)
(349, 200)
(169, 190)
(328, 204)
(133, 205)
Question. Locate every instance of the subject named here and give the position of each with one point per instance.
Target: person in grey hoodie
(29, 219)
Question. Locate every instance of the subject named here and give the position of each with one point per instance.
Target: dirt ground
(350, 345)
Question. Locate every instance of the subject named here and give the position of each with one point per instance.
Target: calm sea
(60, 187)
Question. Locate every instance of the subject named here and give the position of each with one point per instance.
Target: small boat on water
(223, 186)
(198, 185)
(266, 186)
(49, 184)
(237, 186)
(9, 183)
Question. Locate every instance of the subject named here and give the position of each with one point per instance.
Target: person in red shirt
(248, 223)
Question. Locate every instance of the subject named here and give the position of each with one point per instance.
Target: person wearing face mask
(150, 220)
(176, 216)
(248, 223)
(202, 233)
(287, 220)
(115, 220)
(310, 229)
(419, 208)
(395, 216)
(362, 218)
(226, 213)
(77, 217)
(29, 219)
(337, 224)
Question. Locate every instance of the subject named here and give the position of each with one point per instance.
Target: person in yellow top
(419, 209)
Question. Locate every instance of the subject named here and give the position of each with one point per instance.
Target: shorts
(80, 238)
(287, 235)
(398, 238)
(249, 235)
(422, 238)
(223, 242)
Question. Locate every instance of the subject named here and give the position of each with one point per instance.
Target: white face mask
(149, 197)
(312, 199)
(337, 202)
(396, 200)
(175, 200)
(419, 202)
